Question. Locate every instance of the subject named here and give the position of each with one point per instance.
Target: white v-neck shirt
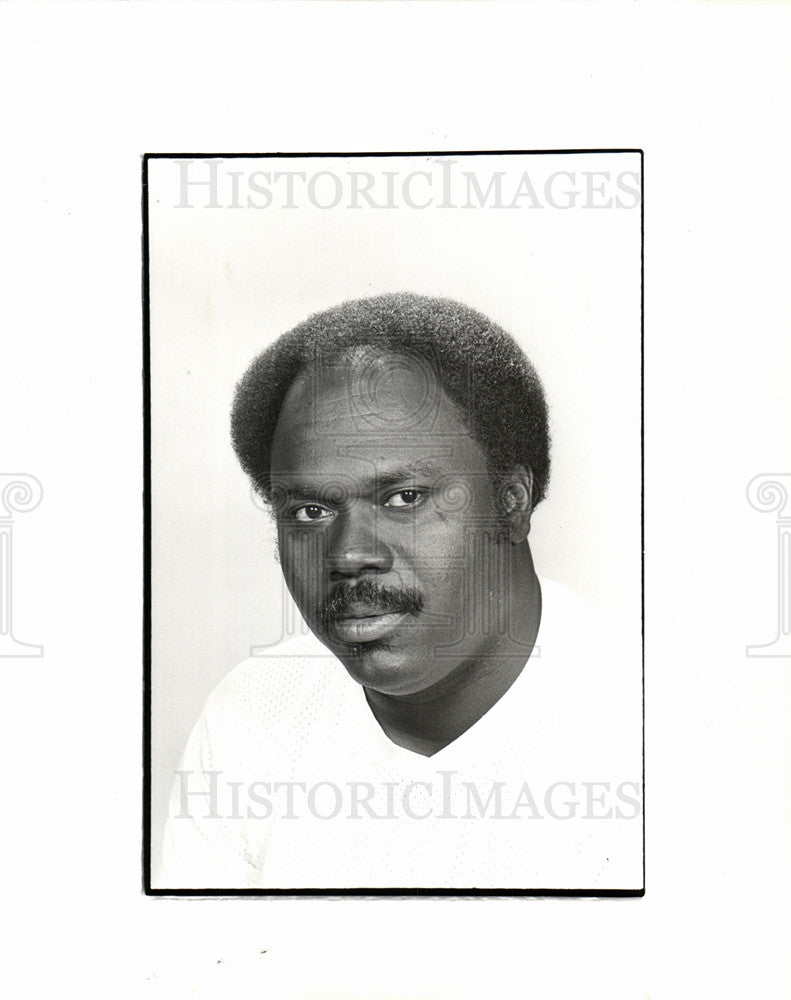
(543, 791)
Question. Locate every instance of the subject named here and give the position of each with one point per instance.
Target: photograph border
(360, 892)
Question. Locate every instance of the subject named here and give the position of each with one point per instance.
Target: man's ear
(517, 501)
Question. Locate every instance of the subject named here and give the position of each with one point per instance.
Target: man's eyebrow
(302, 489)
(405, 473)
(299, 491)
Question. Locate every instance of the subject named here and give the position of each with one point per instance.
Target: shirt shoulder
(592, 667)
(563, 608)
(276, 693)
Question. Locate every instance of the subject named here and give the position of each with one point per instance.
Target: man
(402, 443)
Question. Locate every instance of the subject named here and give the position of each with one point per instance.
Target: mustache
(386, 600)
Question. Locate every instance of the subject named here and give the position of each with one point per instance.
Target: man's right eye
(311, 512)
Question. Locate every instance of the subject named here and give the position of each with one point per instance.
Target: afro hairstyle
(480, 367)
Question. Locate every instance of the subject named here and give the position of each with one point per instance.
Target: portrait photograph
(395, 501)
(394, 580)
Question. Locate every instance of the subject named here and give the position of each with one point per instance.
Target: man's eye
(311, 512)
(404, 498)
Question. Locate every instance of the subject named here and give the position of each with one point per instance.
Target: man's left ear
(517, 500)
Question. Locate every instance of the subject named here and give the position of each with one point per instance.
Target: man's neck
(428, 721)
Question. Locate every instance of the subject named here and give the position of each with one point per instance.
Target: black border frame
(360, 893)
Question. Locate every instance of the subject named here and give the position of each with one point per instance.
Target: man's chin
(379, 666)
(387, 663)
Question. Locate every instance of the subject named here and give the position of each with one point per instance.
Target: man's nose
(355, 546)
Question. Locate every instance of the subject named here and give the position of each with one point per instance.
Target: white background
(225, 282)
(704, 89)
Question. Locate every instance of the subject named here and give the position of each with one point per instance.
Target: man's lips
(367, 611)
(363, 611)
(365, 625)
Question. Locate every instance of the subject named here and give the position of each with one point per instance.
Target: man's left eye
(404, 498)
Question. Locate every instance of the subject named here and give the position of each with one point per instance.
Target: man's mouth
(365, 626)
(367, 611)
(363, 611)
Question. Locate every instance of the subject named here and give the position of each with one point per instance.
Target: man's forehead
(369, 398)
(395, 456)
(340, 421)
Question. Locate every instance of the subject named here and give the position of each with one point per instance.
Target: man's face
(389, 539)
